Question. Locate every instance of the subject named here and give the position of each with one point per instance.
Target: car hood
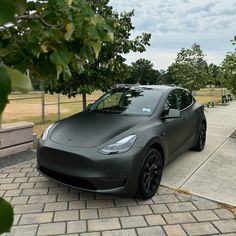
(91, 129)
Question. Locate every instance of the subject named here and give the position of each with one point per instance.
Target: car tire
(201, 139)
(150, 174)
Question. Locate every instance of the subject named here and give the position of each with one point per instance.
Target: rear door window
(185, 99)
(172, 101)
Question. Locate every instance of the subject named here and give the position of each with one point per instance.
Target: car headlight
(123, 145)
(45, 133)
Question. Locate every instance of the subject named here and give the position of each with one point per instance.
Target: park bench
(210, 104)
(229, 97)
(224, 99)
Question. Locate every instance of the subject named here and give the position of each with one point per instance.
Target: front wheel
(201, 139)
(150, 175)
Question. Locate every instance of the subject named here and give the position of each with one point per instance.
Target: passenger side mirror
(172, 114)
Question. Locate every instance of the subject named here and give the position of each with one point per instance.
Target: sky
(176, 24)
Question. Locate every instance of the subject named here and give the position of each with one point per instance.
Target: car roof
(164, 88)
(159, 87)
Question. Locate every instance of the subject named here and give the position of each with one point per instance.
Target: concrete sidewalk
(211, 173)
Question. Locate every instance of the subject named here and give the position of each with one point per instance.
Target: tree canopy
(165, 77)
(228, 69)
(213, 75)
(142, 72)
(109, 67)
(50, 38)
(190, 69)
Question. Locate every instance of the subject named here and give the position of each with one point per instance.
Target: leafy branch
(35, 40)
(6, 216)
(41, 19)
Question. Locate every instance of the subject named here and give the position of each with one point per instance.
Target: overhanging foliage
(108, 68)
(50, 38)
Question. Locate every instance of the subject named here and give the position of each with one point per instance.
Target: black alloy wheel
(151, 173)
(201, 138)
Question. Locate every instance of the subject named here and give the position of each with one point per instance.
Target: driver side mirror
(171, 114)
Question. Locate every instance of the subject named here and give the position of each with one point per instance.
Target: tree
(213, 75)
(108, 67)
(190, 68)
(142, 72)
(50, 38)
(165, 77)
(234, 40)
(228, 71)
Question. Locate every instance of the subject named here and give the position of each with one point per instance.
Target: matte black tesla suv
(122, 142)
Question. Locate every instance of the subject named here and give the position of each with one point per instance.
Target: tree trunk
(84, 100)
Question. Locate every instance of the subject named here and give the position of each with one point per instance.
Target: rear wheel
(201, 138)
(150, 175)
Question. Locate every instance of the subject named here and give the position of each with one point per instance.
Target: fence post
(58, 106)
(43, 106)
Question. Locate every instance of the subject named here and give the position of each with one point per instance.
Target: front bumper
(86, 169)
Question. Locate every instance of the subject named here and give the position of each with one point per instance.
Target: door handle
(163, 133)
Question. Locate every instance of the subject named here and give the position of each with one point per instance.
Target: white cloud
(177, 24)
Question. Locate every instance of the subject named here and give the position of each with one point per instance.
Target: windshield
(137, 101)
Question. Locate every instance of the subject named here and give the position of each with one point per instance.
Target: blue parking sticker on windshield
(145, 109)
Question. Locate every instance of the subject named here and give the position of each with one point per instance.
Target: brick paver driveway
(43, 207)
